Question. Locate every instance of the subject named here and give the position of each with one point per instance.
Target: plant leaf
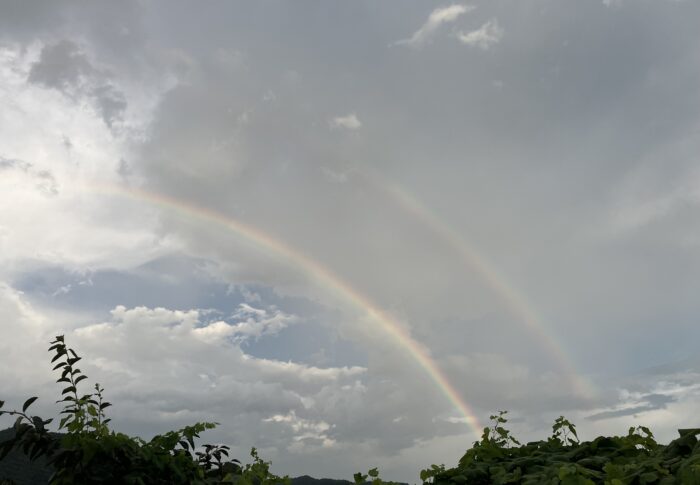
(28, 403)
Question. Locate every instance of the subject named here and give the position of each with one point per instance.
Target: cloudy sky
(350, 231)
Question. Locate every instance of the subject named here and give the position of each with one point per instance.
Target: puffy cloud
(349, 122)
(306, 432)
(436, 19)
(162, 335)
(255, 322)
(484, 37)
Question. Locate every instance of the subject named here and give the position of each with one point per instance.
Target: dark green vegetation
(562, 459)
(88, 452)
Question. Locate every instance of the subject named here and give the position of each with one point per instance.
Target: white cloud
(437, 19)
(612, 3)
(49, 174)
(348, 122)
(162, 335)
(484, 37)
(21, 345)
(307, 433)
(254, 322)
(163, 360)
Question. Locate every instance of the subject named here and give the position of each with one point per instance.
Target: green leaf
(374, 473)
(58, 355)
(28, 403)
(359, 478)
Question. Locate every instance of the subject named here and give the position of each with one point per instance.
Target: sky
(351, 231)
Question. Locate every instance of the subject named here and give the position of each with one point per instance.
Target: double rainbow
(322, 275)
(518, 305)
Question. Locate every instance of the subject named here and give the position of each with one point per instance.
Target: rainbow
(517, 304)
(321, 274)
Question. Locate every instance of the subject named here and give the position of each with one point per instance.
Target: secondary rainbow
(517, 304)
(323, 275)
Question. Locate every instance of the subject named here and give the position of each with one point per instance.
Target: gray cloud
(62, 66)
(650, 402)
(65, 67)
(484, 37)
(8, 163)
(111, 103)
(436, 20)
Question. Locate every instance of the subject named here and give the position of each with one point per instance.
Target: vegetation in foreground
(89, 452)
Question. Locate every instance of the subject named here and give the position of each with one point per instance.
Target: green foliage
(373, 473)
(258, 473)
(428, 474)
(83, 414)
(634, 459)
(90, 453)
(564, 431)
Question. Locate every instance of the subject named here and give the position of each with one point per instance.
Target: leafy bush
(561, 459)
(89, 452)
